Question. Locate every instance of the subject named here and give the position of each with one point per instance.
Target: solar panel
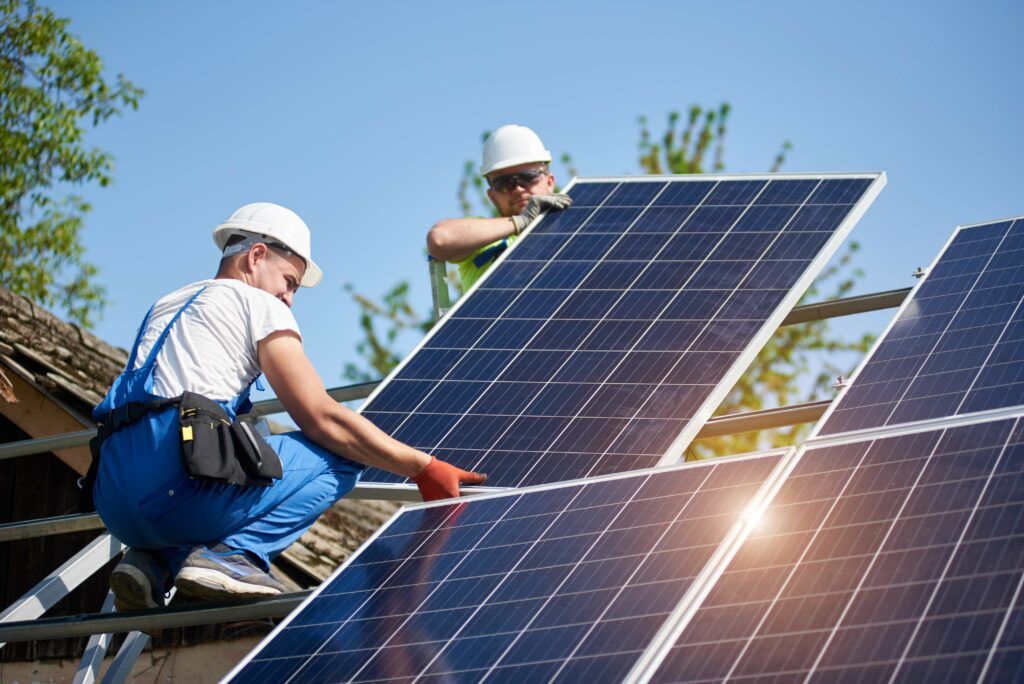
(897, 558)
(567, 582)
(955, 347)
(604, 338)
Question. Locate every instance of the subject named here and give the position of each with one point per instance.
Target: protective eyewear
(522, 179)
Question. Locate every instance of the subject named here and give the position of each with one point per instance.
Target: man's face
(276, 272)
(512, 201)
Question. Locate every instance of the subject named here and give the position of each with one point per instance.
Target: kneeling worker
(520, 185)
(197, 495)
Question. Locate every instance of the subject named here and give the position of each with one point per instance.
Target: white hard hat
(276, 223)
(512, 145)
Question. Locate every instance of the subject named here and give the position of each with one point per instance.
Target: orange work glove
(440, 480)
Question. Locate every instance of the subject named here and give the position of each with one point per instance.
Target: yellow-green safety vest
(473, 266)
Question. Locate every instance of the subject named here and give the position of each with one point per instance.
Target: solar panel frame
(817, 435)
(674, 453)
(672, 624)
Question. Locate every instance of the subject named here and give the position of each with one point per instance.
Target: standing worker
(520, 185)
(198, 495)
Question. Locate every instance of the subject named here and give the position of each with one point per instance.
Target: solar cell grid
(956, 347)
(894, 559)
(562, 583)
(608, 329)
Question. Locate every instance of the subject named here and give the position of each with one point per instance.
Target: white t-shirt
(211, 350)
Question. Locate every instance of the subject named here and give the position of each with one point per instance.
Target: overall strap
(490, 254)
(151, 359)
(241, 403)
(138, 339)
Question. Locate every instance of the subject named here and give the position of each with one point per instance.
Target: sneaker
(139, 581)
(221, 573)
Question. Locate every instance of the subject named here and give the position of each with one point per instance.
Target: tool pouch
(215, 448)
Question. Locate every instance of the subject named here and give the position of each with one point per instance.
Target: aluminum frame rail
(62, 581)
(92, 659)
(150, 620)
(718, 426)
(847, 306)
(68, 440)
(765, 419)
(801, 314)
(43, 527)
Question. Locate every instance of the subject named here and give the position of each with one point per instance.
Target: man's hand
(537, 205)
(440, 480)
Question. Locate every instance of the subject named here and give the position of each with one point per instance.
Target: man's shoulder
(248, 296)
(182, 294)
(222, 293)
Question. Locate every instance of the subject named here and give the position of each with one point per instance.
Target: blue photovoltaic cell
(605, 330)
(895, 559)
(567, 583)
(958, 347)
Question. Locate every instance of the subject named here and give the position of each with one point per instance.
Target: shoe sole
(216, 586)
(131, 588)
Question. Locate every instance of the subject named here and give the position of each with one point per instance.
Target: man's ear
(551, 182)
(257, 253)
(490, 196)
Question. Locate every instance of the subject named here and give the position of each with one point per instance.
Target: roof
(337, 534)
(71, 365)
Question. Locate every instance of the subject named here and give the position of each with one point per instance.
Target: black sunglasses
(522, 179)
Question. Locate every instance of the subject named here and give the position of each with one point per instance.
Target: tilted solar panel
(567, 582)
(605, 337)
(899, 558)
(955, 347)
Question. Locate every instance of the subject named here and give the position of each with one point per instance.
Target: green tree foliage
(774, 379)
(51, 88)
(377, 349)
(797, 364)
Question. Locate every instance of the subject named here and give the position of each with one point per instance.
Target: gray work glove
(537, 205)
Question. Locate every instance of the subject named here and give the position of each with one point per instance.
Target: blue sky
(359, 116)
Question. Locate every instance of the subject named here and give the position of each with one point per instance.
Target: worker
(196, 493)
(521, 187)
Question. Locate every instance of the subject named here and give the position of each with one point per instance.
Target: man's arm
(342, 430)
(455, 239)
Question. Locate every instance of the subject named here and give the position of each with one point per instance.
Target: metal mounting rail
(802, 314)
(847, 306)
(92, 659)
(339, 394)
(719, 426)
(42, 445)
(62, 581)
(765, 419)
(42, 527)
(150, 620)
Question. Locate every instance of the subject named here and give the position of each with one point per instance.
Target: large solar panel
(606, 336)
(956, 346)
(568, 582)
(899, 558)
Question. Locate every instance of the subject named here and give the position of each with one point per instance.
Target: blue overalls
(147, 501)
